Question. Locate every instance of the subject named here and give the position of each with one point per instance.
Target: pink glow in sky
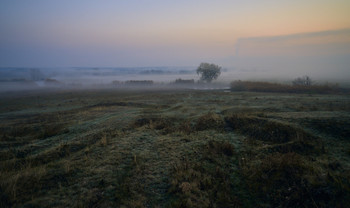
(163, 33)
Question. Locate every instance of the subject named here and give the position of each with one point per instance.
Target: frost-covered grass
(183, 148)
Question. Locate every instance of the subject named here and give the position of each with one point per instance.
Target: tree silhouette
(208, 72)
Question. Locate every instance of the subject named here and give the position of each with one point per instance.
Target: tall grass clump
(210, 121)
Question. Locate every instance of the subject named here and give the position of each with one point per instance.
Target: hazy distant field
(180, 148)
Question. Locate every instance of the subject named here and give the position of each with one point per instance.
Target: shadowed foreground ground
(174, 149)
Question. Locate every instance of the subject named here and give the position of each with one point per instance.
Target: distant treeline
(184, 81)
(134, 82)
(151, 82)
(160, 72)
(252, 86)
(29, 81)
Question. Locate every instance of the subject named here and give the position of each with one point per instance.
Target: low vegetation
(298, 87)
(207, 181)
(183, 148)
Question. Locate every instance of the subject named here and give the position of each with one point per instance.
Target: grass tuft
(207, 182)
(210, 121)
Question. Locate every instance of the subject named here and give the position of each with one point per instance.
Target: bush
(302, 81)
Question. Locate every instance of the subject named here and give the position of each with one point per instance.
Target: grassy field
(188, 148)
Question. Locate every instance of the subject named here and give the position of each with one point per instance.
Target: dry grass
(278, 178)
(282, 88)
(210, 121)
(269, 130)
(157, 123)
(291, 180)
(207, 182)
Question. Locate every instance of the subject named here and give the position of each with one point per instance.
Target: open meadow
(174, 148)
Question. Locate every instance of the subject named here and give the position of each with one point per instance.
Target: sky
(119, 33)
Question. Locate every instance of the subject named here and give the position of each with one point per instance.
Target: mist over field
(184, 104)
(324, 56)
